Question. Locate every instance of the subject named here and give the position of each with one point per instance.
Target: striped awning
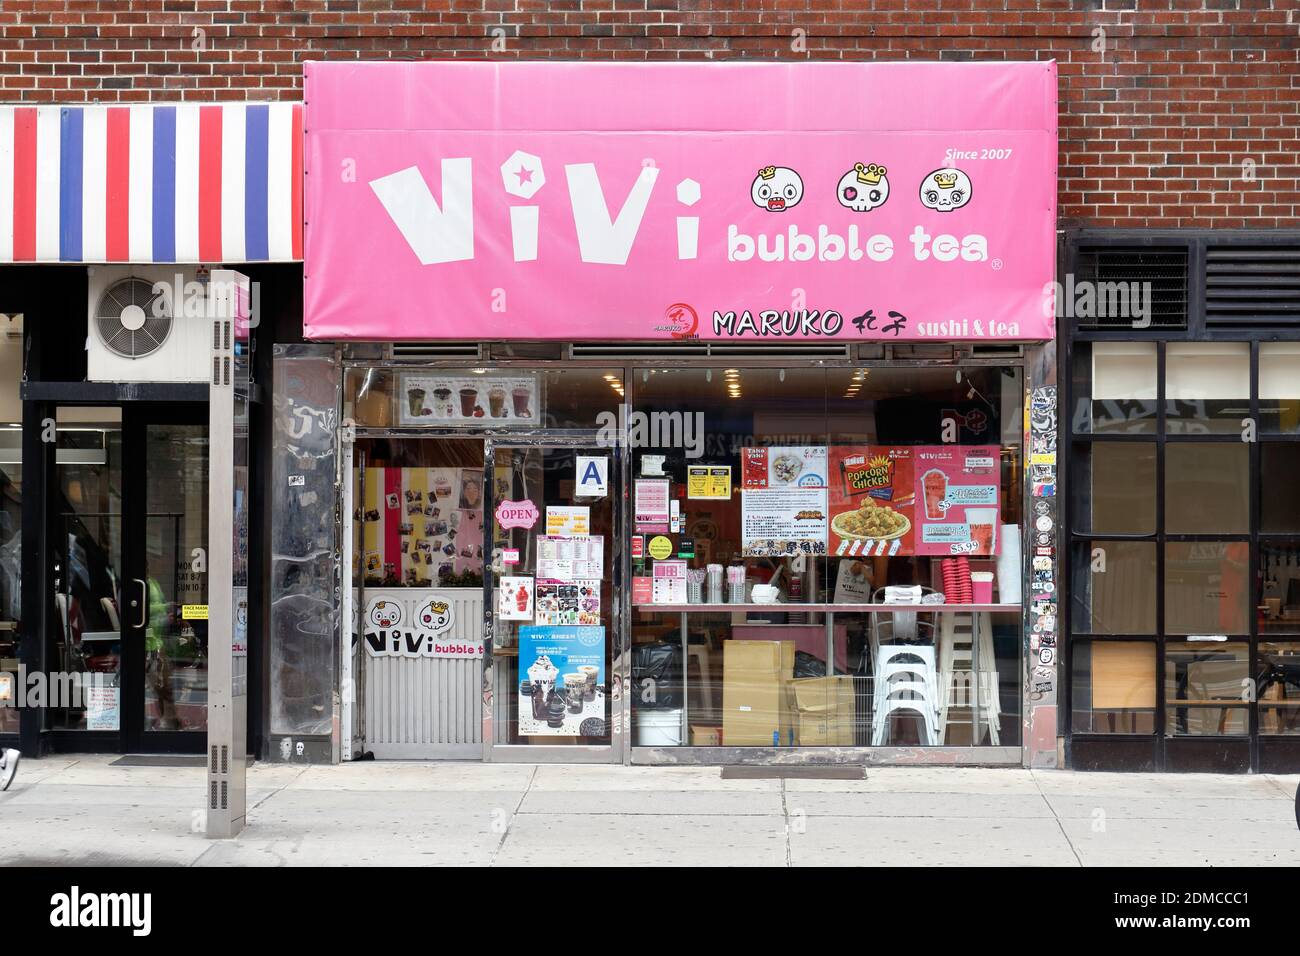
(212, 183)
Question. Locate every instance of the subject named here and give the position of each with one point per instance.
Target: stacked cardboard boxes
(756, 709)
(824, 711)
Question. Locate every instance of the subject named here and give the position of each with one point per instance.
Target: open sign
(516, 514)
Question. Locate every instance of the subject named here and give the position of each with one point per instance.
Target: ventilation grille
(1252, 286)
(1163, 267)
(131, 319)
(429, 351)
(694, 348)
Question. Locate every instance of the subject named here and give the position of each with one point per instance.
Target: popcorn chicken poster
(872, 500)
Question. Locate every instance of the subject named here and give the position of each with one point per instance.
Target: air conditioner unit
(148, 324)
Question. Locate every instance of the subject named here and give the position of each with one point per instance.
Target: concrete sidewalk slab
(84, 810)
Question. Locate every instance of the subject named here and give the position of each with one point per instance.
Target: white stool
(958, 631)
(905, 685)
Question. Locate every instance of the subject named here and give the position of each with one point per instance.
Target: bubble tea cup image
(575, 686)
(935, 484)
(468, 399)
(497, 402)
(415, 396)
(590, 672)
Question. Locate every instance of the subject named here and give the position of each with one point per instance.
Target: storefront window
(1279, 508)
(1114, 687)
(1206, 688)
(11, 502)
(1207, 387)
(1277, 686)
(1115, 488)
(1279, 387)
(481, 397)
(1114, 587)
(1278, 607)
(1200, 602)
(768, 489)
(1115, 388)
(1207, 587)
(1207, 488)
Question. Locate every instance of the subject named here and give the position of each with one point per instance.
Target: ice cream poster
(872, 501)
(562, 681)
(957, 499)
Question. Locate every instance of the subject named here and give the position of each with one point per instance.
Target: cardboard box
(703, 735)
(824, 711)
(755, 693)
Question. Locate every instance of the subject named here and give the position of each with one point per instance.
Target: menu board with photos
(783, 500)
(434, 398)
(958, 504)
(872, 499)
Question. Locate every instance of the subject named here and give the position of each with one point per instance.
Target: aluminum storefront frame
(1039, 732)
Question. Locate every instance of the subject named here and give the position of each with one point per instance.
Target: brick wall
(1174, 113)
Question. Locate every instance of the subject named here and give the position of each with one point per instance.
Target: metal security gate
(428, 707)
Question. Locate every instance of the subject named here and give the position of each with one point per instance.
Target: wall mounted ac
(147, 324)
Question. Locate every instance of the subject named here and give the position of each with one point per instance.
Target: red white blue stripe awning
(186, 182)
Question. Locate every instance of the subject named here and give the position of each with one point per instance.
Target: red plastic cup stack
(956, 580)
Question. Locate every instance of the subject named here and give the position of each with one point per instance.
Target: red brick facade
(1174, 113)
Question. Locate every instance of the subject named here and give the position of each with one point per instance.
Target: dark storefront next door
(128, 519)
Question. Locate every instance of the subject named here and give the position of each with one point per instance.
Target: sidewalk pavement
(82, 810)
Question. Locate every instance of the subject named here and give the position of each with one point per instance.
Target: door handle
(144, 600)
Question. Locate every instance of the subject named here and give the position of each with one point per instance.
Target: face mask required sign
(581, 201)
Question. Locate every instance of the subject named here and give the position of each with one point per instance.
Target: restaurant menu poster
(431, 398)
(668, 582)
(957, 499)
(570, 558)
(783, 501)
(650, 504)
(708, 482)
(565, 520)
(575, 602)
(515, 598)
(783, 467)
(550, 656)
(872, 500)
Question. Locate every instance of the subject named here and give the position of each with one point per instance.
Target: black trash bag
(806, 665)
(656, 675)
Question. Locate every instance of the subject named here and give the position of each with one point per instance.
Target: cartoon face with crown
(864, 187)
(776, 188)
(385, 614)
(945, 190)
(435, 615)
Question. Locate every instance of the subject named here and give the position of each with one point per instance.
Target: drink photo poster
(958, 505)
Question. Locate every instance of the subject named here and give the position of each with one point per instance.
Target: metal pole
(227, 658)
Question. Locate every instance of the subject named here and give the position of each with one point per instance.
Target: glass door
(168, 631)
(85, 518)
(554, 676)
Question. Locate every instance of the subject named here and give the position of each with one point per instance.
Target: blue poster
(562, 688)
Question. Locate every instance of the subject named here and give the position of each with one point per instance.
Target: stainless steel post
(227, 554)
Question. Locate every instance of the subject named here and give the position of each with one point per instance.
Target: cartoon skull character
(864, 187)
(434, 616)
(945, 190)
(776, 188)
(385, 614)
